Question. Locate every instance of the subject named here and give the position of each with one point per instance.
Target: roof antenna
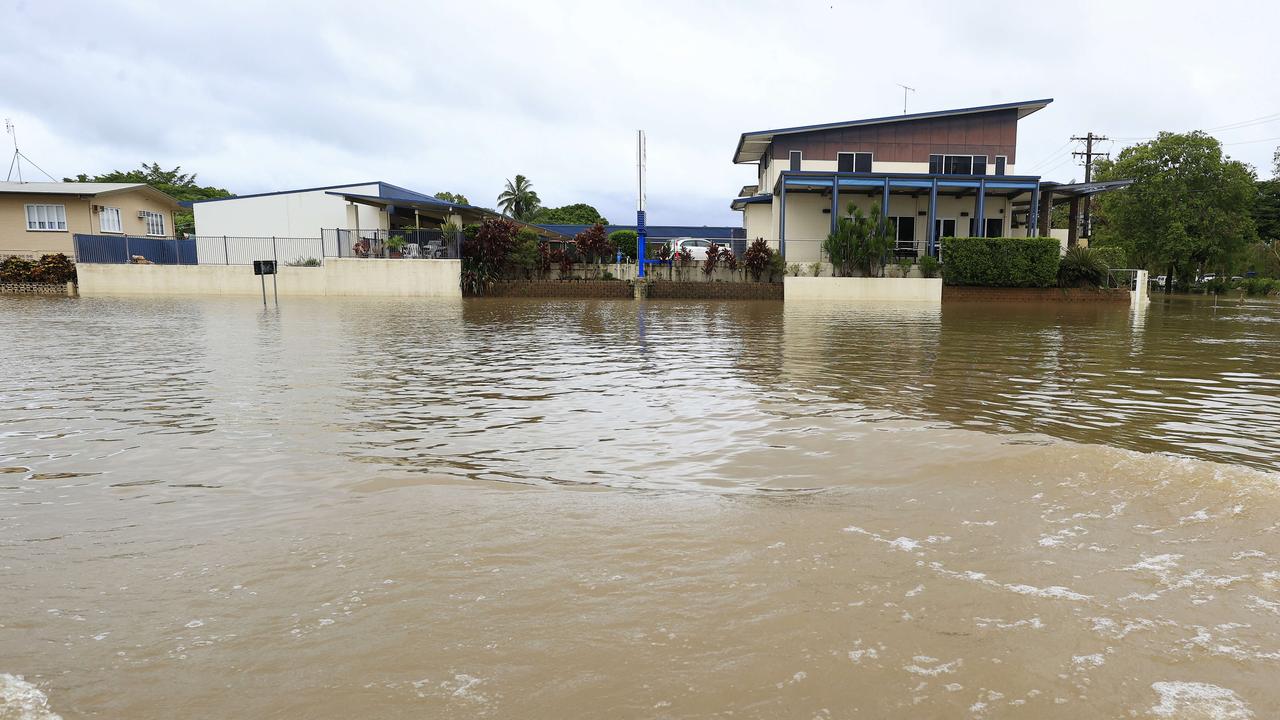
(905, 90)
(18, 157)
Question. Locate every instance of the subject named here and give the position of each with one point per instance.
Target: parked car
(697, 247)
(1158, 281)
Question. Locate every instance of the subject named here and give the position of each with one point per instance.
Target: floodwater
(567, 509)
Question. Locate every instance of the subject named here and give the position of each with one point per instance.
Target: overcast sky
(261, 96)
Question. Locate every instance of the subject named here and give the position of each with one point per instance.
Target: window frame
(159, 218)
(32, 212)
(119, 225)
(795, 160)
(856, 155)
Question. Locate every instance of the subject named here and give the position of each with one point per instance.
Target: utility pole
(1089, 139)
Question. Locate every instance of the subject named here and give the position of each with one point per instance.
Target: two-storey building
(939, 174)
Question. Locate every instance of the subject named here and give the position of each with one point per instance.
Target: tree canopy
(519, 200)
(455, 198)
(1189, 207)
(174, 183)
(575, 214)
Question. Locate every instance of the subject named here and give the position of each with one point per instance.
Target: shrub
(904, 266)
(712, 259)
(928, 266)
(777, 267)
(1257, 286)
(859, 242)
(1082, 267)
(1111, 255)
(522, 259)
(757, 258)
(593, 244)
(16, 270)
(794, 270)
(607, 275)
(624, 241)
(815, 269)
(485, 251)
(1001, 262)
(730, 260)
(565, 259)
(1217, 286)
(56, 268)
(304, 262)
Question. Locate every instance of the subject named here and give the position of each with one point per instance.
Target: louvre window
(109, 220)
(155, 223)
(1001, 160)
(47, 217)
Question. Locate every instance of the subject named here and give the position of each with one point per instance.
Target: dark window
(1000, 162)
(995, 227)
(853, 162)
(796, 155)
(844, 162)
(979, 164)
(862, 162)
(905, 234)
(944, 227)
(935, 164)
(958, 165)
(973, 225)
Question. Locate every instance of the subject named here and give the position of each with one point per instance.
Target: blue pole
(933, 221)
(981, 219)
(640, 243)
(782, 221)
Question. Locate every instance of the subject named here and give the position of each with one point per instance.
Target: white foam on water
(1094, 660)
(932, 667)
(1198, 700)
(20, 700)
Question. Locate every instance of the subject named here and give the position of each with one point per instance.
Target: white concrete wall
(337, 277)
(757, 220)
(290, 214)
(843, 289)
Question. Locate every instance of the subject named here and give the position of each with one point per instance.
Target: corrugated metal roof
(752, 145)
(661, 231)
(67, 188)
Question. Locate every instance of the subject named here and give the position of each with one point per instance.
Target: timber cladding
(990, 133)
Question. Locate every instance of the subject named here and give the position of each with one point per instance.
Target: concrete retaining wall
(828, 289)
(349, 277)
(67, 288)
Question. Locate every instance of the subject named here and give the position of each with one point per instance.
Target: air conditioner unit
(142, 214)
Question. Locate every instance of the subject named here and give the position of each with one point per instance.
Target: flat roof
(752, 145)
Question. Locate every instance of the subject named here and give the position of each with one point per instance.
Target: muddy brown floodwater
(547, 509)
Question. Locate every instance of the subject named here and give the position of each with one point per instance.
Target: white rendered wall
(293, 214)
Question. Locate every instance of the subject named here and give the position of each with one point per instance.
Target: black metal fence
(406, 243)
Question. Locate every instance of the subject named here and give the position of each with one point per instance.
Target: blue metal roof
(385, 190)
(762, 138)
(661, 231)
(739, 203)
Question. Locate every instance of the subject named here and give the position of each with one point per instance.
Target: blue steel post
(1033, 218)
(884, 204)
(640, 248)
(835, 201)
(980, 221)
(933, 215)
(782, 221)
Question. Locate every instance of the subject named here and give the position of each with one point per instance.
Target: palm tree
(519, 200)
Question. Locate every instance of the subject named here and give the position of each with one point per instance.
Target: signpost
(263, 268)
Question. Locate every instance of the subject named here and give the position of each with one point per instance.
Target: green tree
(455, 198)
(859, 242)
(1266, 210)
(1187, 210)
(575, 214)
(519, 200)
(625, 241)
(174, 183)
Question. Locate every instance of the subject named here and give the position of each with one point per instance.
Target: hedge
(1000, 262)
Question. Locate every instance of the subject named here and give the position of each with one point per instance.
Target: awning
(440, 210)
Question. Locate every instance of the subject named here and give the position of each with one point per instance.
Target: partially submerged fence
(121, 249)
(241, 250)
(404, 243)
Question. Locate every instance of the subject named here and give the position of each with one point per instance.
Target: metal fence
(122, 249)
(406, 243)
(235, 250)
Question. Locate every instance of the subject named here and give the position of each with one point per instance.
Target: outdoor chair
(411, 250)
